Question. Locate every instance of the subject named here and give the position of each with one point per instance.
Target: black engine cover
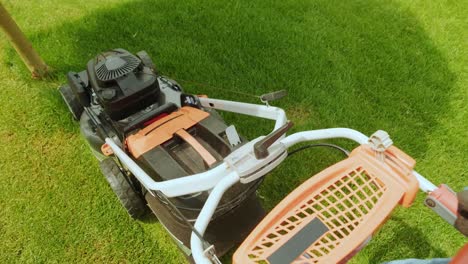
(122, 83)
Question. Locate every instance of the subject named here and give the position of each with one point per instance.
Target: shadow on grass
(367, 64)
(419, 248)
(150, 218)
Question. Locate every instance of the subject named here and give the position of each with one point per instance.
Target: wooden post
(24, 48)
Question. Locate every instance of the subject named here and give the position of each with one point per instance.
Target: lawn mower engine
(168, 134)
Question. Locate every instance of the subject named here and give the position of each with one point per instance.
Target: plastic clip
(380, 141)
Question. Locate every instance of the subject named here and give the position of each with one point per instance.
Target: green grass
(394, 65)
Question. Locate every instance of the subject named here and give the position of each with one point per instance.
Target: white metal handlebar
(220, 178)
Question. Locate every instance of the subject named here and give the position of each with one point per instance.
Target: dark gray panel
(298, 243)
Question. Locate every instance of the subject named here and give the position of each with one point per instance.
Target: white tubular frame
(262, 111)
(325, 134)
(206, 213)
(424, 184)
(222, 177)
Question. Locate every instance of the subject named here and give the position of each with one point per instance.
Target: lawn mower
(171, 152)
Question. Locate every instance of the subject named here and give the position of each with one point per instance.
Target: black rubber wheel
(130, 199)
(147, 61)
(72, 102)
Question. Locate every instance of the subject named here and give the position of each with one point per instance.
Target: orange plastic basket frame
(352, 199)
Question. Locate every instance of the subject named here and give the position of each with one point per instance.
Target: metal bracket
(232, 136)
(210, 253)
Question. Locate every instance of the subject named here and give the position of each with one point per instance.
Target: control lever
(261, 147)
(269, 97)
(462, 215)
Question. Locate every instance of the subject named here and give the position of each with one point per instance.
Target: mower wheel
(130, 198)
(145, 58)
(72, 102)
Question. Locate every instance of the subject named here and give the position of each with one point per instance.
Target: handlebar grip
(461, 223)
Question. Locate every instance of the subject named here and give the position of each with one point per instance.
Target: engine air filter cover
(116, 66)
(122, 84)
